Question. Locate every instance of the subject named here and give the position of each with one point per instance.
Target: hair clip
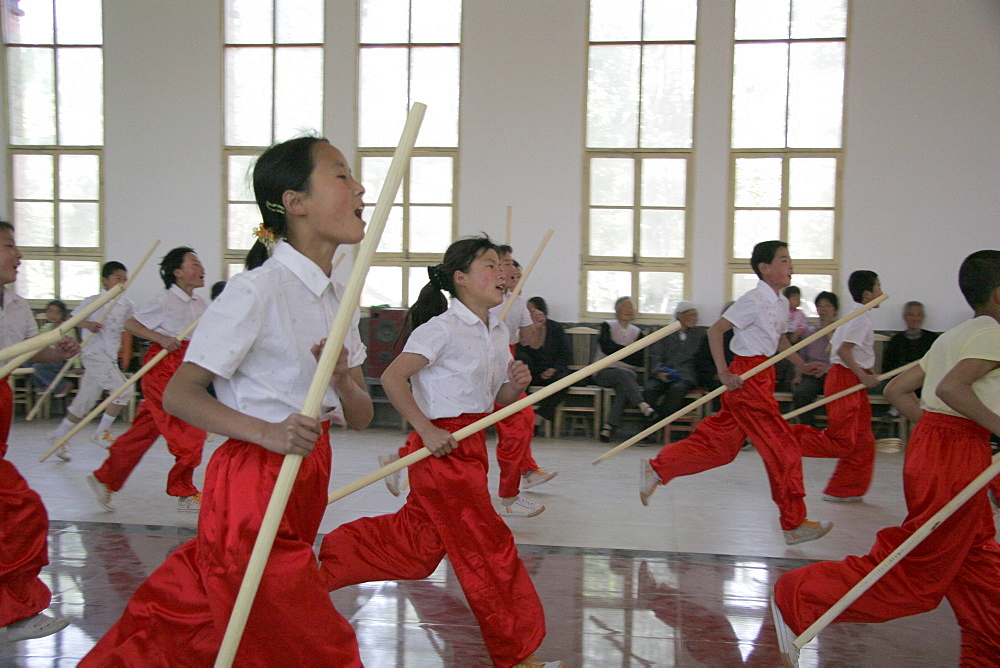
(277, 208)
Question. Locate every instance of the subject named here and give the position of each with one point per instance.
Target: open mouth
(360, 210)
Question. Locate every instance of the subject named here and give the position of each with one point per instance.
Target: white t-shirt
(17, 322)
(170, 312)
(760, 317)
(467, 362)
(258, 335)
(861, 333)
(978, 338)
(108, 340)
(517, 317)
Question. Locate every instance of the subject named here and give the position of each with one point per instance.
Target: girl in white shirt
(458, 362)
(258, 344)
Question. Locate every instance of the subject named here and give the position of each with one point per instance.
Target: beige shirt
(861, 333)
(517, 317)
(978, 338)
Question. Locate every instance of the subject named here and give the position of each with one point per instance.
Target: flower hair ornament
(266, 236)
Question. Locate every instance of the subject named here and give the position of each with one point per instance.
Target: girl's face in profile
(334, 202)
(54, 314)
(483, 284)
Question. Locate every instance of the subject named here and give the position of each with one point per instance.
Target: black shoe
(606, 432)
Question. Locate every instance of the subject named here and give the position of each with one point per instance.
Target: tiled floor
(683, 582)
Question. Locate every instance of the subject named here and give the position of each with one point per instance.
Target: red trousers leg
(448, 511)
(960, 559)
(128, 449)
(514, 434)
(749, 411)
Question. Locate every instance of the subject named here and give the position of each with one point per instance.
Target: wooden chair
(582, 401)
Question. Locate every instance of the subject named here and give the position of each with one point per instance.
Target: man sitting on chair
(671, 363)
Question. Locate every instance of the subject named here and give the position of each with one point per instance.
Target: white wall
(921, 174)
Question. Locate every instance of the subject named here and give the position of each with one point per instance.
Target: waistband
(945, 421)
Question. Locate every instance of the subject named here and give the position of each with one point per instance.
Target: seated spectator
(805, 389)
(671, 372)
(621, 376)
(797, 322)
(911, 344)
(708, 377)
(45, 373)
(547, 352)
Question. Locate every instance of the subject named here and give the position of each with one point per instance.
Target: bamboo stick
(525, 274)
(752, 372)
(851, 390)
(320, 381)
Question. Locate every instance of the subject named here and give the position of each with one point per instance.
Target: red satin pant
(184, 441)
(960, 560)
(448, 511)
(24, 529)
(750, 411)
(514, 434)
(184, 606)
(848, 436)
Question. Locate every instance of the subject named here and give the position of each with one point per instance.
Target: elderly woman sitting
(621, 376)
(547, 352)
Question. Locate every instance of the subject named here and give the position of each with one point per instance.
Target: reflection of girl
(45, 372)
(620, 376)
(547, 353)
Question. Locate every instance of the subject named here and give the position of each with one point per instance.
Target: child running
(459, 364)
(273, 321)
(950, 446)
(161, 320)
(749, 408)
(24, 524)
(100, 361)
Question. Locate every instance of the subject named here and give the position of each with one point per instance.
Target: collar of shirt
(304, 269)
(769, 293)
(180, 294)
(463, 313)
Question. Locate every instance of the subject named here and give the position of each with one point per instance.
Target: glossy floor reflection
(684, 582)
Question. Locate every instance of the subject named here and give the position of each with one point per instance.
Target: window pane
(743, 283)
(81, 97)
(385, 21)
(78, 22)
(35, 27)
(78, 224)
(670, 20)
(615, 20)
(762, 19)
(758, 182)
(248, 97)
(298, 95)
(392, 234)
(816, 94)
(240, 174)
(436, 21)
(33, 100)
(604, 287)
(664, 182)
(810, 234)
(812, 182)
(752, 227)
(813, 284)
(33, 176)
(243, 220)
(660, 291)
(435, 83)
(759, 91)
(382, 98)
(431, 180)
(667, 96)
(79, 177)
(819, 18)
(249, 21)
(418, 279)
(78, 279)
(298, 21)
(383, 287)
(613, 97)
(612, 182)
(36, 279)
(373, 173)
(611, 232)
(233, 269)
(430, 229)
(35, 223)
(661, 233)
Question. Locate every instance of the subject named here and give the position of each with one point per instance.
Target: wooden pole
(525, 274)
(320, 381)
(69, 363)
(506, 238)
(114, 395)
(36, 343)
(900, 552)
(508, 410)
(752, 372)
(851, 390)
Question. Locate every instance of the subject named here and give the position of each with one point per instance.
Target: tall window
(640, 97)
(788, 90)
(54, 63)
(409, 52)
(274, 91)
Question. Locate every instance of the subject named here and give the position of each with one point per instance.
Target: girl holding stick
(272, 320)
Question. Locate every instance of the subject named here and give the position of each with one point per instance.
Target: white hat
(683, 306)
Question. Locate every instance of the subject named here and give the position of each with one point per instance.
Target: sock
(106, 422)
(646, 409)
(62, 429)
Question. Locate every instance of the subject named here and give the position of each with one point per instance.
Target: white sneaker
(100, 491)
(807, 531)
(396, 482)
(189, 504)
(63, 451)
(786, 638)
(36, 626)
(537, 477)
(521, 507)
(648, 481)
(103, 439)
(531, 663)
